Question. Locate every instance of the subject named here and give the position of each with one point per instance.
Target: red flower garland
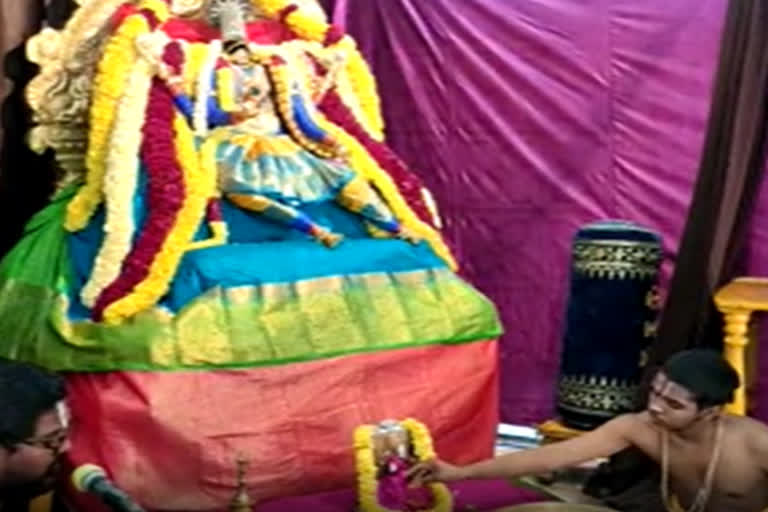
(409, 184)
(173, 56)
(198, 31)
(122, 12)
(213, 211)
(165, 196)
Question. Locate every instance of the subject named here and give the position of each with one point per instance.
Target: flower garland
(285, 87)
(359, 144)
(120, 182)
(163, 268)
(431, 204)
(363, 84)
(195, 56)
(314, 29)
(109, 85)
(205, 88)
(111, 79)
(165, 195)
(365, 464)
(346, 91)
(225, 88)
(363, 162)
(85, 23)
(408, 184)
(216, 223)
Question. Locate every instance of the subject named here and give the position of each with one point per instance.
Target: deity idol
(226, 200)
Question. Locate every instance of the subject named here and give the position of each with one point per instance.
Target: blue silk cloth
(610, 321)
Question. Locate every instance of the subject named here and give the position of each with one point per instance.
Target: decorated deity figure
(261, 166)
(392, 448)
(204, 147)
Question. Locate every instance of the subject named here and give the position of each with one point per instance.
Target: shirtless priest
(710, 461)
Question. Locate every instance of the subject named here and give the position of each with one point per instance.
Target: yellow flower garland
(346, 91)
(163, 268)
(314, 29)
(364, 84)
(120, 181)
(365, 88)
(283, 83)
(109, 84)
(158, 7)
(365, 464)
(195, 56)
(362, 162)
(219, 229)
(204, 88)
(225, 89)
(85, 23)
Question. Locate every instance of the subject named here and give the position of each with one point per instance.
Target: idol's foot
(328, 238)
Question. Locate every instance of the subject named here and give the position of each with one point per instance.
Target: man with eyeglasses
(34, 425)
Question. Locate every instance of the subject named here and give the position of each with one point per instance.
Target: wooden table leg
(736, 340)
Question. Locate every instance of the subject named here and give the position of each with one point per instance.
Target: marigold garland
(310, 27)
(195, 56)
(120, 182)
(163, 269)
(346, 91)
(307, 27)
(225, 89)
(109, 84)
(165, 195)
(112, 75)
(216, 223)
(84, 23)
(431, 204)
(158, 7)
(205, 88)
(285, 87)
(365, 463)
(408, 184)
(363, 84)
(362, 161)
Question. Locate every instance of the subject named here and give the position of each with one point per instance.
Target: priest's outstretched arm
(610, 438)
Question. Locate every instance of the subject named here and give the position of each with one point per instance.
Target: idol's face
(671, 405)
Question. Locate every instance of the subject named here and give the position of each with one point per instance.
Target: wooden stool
(737, 301)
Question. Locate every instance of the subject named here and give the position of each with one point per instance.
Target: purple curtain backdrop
(530, 118)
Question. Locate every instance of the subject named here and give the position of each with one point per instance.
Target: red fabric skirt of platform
(171, 439)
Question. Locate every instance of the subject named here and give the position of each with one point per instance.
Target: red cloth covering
(171, 439)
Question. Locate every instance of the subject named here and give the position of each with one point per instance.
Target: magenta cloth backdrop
(529, 118)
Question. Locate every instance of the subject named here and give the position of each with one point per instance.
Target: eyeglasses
(54, 440)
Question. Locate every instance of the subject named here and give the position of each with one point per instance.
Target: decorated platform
(235, 263)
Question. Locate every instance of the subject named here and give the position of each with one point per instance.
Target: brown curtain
(26, 179)
(732, 165)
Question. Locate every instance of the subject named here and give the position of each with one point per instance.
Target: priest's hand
(434, 471)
